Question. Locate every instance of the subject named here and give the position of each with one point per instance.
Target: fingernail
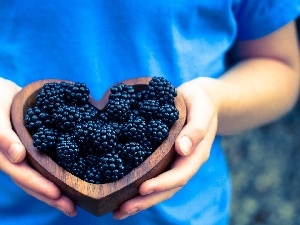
(130, 213)
(62, 210)
(70, 214)
(14, 152)
(185, 145)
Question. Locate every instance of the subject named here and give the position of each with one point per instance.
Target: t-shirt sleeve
(257, 18)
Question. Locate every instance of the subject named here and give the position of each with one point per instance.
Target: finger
(63, 203)
(10, 143)
(141, 203)
(200, 112)
(11, 146)
(29, 178)
(183, 168)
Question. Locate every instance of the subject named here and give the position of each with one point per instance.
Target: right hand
(13, 161)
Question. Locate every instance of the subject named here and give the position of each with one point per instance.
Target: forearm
(252, 93)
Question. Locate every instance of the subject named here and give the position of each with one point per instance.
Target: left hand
(193, 146)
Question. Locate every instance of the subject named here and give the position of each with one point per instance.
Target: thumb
(189, 137)
(11, 145)
(200, 112)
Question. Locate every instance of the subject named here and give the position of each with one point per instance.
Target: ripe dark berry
(88, 112)
(122, 91)
(134, 153)
(112, 167)
(157, 131)
(118, 128)
(77, 93)
(148, 108)
(83, 133)
(78, 167)
(161, 89)
(104, 138)
(135, 129)
(117, 110)
(66, 117)
(133, 113)
(35, 118)
(168, 114)
(50, 97)
(92, 175)
(45, 140)
(67, 150)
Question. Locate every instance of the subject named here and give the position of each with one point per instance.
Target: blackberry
(35, 118)
(88, 112)
(83, 133)
(104, 138)
(141, 96)
(135, 129)
(133, 113)
(76, 93)
(67, 151)
(168, 114)
(66, 117)
(149, 108)
(161, 89)
(147, 144)
(118, 128)
(50, 97)
(45, 140)
(103, 116)
(157, 132)
(78, 167)
(96, 137)
(112, 168)
(92, 175)
(122, 91)
(117, 110)
(133, 153)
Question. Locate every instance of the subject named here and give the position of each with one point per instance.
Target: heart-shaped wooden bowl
(98, 199)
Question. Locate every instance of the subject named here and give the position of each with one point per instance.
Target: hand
(193, 146)
(12, 158)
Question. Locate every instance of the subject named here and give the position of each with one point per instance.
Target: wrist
(212, 88)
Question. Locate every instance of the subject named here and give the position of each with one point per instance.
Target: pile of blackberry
(101, 146)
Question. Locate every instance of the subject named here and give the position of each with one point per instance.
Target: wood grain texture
(97, 199)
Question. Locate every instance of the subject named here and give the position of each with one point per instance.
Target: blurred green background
(264, 165)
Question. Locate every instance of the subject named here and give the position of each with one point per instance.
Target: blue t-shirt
(102, 42)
